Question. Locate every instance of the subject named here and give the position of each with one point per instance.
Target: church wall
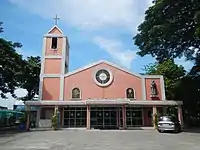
(121, 82)
(148, 89)
(49, 51)
(84, 80)
(52, 66)
(51, 88)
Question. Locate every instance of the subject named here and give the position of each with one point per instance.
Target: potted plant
(54, 121)
(155, 120)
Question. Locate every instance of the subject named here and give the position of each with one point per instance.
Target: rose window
(103, 77)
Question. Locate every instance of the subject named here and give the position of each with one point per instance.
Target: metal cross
(56, 19)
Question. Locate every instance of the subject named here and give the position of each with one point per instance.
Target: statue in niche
(130, 93)
(154, 91)
(76, 93)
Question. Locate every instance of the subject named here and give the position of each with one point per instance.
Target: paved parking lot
(100, 140)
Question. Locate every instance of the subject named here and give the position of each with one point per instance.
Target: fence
(9, 118)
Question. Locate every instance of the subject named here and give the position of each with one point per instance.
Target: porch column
(124, 116)
(154, 117)
(55, 113)
(180, 115)
(55, 109)
(117, 115)
(28, 117)
(62, 118)
(88, 117)
(38, 116)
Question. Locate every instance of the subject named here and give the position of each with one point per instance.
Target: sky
(96, 29)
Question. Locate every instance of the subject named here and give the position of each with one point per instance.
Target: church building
(99, 95)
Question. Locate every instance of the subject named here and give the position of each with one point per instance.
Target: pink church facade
(99, 95)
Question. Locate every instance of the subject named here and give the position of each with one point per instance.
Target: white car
(168, 123)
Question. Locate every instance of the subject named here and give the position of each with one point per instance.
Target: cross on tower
(56, 19)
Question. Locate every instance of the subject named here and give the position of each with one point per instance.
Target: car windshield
(166, 118)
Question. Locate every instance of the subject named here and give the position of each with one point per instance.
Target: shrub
(54, 121)
(155, 120)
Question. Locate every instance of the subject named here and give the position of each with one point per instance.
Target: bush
(155, 120)
(54, 121)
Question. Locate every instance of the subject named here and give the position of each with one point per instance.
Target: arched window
(130, 93)
(76, 93)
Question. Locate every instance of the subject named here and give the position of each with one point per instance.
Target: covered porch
(102, 113)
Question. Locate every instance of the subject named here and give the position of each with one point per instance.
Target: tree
(171, 29)
(171, 72)
(1, 28)
(10, 66)
(187, 89)
(30, 78)
(195, 71)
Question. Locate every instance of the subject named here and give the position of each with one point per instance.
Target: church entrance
(134, 117)
(103, 118)
(75, 117)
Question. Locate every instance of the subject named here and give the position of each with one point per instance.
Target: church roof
(105, 62)
(113, 65)
(55, 27)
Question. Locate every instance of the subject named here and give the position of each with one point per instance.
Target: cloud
(10, 101)
(90, 14)
(20, 92)
(186, 64)
(19, 102)
(96, 15)
(116, 50)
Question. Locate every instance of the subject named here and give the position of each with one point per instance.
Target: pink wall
(52, 66)
(49, 51)
(147, 119)
(55, 31)
(51, 89)
(148, 89)
(84, 81)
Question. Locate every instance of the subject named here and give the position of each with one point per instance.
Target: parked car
(168, 123)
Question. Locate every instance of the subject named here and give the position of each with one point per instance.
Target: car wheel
(160, 131)
(177, 130)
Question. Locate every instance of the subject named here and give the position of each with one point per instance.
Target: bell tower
(54, 64)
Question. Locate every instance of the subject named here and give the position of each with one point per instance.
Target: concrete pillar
(88, 117)
(124, 116)
(143, 117)
(55, 109)
(154, 113)
(117, 115)
(62, 117)
(38, 116)
(28, 117)
(180, 115)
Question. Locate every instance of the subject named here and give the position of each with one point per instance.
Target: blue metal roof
(22, 108)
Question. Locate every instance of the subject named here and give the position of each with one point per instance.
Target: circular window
(103, 77)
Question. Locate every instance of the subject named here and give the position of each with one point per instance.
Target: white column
(88, 117)
(55, 109)
(117, 116)
(180, 115)
(38, 117)
(154, 113)
(124, 116)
